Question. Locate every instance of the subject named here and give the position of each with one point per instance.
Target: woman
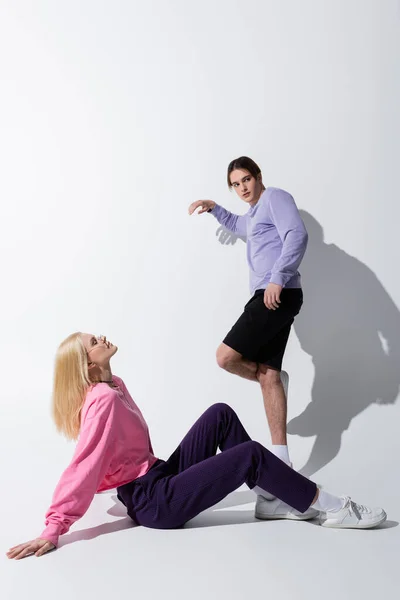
(114, 450)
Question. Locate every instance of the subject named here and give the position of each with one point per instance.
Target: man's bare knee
(226, 357)
(267, 376)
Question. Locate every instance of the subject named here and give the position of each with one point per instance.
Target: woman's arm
(81, 479)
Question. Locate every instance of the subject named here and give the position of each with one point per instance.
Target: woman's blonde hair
(71, 382)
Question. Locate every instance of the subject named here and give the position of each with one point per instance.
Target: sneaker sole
(360, 525)
(287, 516)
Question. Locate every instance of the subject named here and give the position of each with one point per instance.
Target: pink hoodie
(114, 448)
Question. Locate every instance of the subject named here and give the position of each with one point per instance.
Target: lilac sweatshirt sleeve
(79, 482)
(291, 230)
(234, 223)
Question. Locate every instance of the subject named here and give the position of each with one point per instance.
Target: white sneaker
(277, 509)
(353, 516)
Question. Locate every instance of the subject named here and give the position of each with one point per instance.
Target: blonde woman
(114, 450)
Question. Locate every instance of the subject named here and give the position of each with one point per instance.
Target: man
(276, 240)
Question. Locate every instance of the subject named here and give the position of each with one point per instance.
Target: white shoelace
(357, 509)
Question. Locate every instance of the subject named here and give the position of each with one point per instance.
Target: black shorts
(261, 334)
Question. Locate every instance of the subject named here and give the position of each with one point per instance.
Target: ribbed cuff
(215, 211)
(278, 279)
(51, 533)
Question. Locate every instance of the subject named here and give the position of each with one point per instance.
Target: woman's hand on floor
(37, 547)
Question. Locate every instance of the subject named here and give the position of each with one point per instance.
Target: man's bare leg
(233, 362)
(275, 403)
(271, 386)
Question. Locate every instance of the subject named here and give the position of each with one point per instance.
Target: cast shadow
(350, 327)
(215, 516)
(227, 238)
(205, 519)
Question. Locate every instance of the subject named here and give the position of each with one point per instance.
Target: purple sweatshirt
(276, 238)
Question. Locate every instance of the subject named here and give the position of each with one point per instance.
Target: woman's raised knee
(221, 408)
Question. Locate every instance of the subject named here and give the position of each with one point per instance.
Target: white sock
(260, 492)
(327, 502)
(281, 452)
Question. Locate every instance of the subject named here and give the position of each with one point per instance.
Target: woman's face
(98, 349)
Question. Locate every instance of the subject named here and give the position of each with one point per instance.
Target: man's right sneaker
(353, 516)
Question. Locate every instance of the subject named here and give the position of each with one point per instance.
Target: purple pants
(194, 477)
